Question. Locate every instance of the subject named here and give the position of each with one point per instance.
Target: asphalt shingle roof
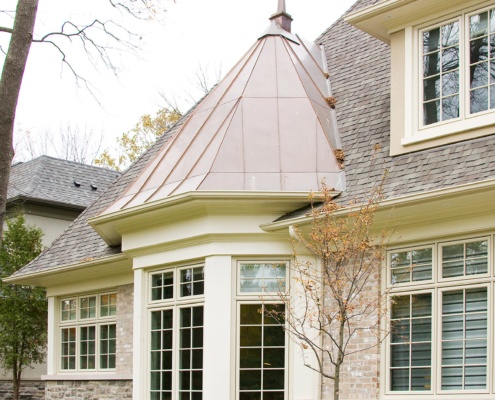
(51, 180)
(360, 75)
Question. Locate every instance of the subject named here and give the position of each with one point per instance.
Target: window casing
(441, 322)
(454, 87)
(88, 332)
(176, 315)
(262, 342)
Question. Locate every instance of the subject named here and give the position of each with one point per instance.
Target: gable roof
(58, 182)
(360, 83)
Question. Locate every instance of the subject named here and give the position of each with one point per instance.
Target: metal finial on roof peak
(281, 17)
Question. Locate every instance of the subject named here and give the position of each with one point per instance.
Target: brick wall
(30, 390)
(125, 303)
(89, 390)
(360, 373)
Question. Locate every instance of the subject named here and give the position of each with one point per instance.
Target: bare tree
(99, 39)
(71, 143)
(335, 301)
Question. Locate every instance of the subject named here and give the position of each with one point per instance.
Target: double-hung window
(88, 332)
(458, 68)
(262, 341)
(175, 306)
(440, 319)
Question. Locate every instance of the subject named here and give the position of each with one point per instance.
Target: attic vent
(77, 184)
(93, 187)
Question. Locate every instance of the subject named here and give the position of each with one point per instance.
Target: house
(51, 193)
(154, 292)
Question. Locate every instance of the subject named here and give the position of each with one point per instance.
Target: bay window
(176, 315)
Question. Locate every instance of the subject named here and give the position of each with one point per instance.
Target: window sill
(90, 376)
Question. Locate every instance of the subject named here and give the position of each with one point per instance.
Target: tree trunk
(10, 85)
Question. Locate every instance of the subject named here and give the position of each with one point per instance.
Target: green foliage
(135, 142)
(23, 309)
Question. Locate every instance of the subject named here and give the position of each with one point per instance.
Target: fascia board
(185, 205)
(386, 17)
(458, 196)
(100, 267)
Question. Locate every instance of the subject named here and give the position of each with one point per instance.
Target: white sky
(194, 33)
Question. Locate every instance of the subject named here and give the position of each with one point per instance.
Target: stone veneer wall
(360, 374)
(30, 390)
(125, 308)
(105, 389)
(88, 390)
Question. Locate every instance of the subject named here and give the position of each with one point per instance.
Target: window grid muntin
(264, 347)
(272, 277)
(87, 307)
(436, 287)
(466, 262)
(444, 89)
(191, 281)
(172, 305)
(466, 119)
(75, 325)
(489, 62)
(409, 340)
(412, 269)
(466, 338)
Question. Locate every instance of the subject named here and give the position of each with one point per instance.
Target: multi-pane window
(262, 343)
(176, 334)
(448, 300)
(455, 55)
(88, 332)
(262, 340)
(262, 277)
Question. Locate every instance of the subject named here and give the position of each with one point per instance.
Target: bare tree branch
(5, 29)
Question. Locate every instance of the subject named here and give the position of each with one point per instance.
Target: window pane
(450, 34)
(464, 339)
(431, 112)
(450, 59)
(479, 100)
(68, 309)
(162, 286)
(450, 108)
(431, 40)
(421, 379)
(450, 84)
(478, 25)
(269, 277)
(432, 88)
(161, 354)
(412, 265)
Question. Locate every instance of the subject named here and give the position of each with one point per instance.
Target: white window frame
(77, 323)
(174, 303)
(260, 298)
(414, 130)
(437, 286)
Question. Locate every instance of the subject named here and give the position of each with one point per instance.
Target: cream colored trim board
(87, 377)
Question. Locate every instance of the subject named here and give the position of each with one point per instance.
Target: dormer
(442, 68)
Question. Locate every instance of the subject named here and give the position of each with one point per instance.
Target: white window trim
(77, 324)
(175, 303)
(414, 130)
(437, 286)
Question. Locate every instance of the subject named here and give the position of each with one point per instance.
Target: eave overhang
(386, 17)
(113, 225)
(88, 268)
(421, 209)
(21, 199)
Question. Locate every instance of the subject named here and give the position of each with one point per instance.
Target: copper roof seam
(230, 114)
(278, 117)
(233, 111)
(174, 138)
(307, 73)
(213, 109)
(304, 88)
(311, 55)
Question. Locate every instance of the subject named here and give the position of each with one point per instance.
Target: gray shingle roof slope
(51, 180)
(360, 74)
(360, 82)
(80, 242)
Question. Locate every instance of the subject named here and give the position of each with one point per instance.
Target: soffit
(389, 16)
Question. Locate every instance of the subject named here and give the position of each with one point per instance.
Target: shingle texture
(52, 180)
(359, 71)
(80, 242)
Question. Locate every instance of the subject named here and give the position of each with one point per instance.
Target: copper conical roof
(267, 126)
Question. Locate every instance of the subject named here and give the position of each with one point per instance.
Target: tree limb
(5, 29)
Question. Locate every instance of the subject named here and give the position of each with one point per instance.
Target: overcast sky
(210, 34)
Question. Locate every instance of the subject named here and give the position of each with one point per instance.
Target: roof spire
(281, 17)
